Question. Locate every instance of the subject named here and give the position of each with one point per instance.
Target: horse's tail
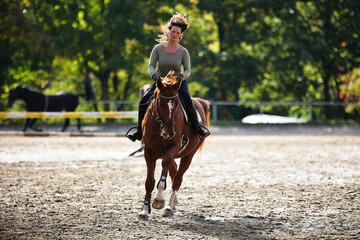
(206, 106)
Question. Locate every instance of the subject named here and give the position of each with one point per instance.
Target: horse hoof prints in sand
(164, 130)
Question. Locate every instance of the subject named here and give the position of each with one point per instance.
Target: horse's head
(13, 95)
(167, 104)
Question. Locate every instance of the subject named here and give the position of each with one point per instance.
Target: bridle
(159, 119)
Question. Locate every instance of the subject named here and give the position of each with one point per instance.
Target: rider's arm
(186, 64)
(154, 57)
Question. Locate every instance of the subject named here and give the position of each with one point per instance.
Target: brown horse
(167, 136)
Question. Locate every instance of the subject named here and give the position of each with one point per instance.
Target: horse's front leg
(159, 200)
(170, 207)
(177, 180)
(30, 124)
(66, 124)
(27, 123)
(149, 185)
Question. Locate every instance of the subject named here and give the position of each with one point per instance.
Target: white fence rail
(215, 105)
(260, 105)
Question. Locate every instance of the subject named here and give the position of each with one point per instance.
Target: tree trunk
(89, 92)
(221, 30)
(104, 82)
(327, 96)
(224, 109)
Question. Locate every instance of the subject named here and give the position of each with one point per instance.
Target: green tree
(25, 47)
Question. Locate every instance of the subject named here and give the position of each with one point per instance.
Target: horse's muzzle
(167, 136)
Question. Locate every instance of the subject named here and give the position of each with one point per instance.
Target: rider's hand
(179, 76)
(155, 76)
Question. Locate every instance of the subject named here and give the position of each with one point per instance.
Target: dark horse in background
(167, 136)
(39, 102)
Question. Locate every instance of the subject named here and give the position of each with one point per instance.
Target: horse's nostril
(167, 135)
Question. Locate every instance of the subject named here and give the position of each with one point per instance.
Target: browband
(180, 25)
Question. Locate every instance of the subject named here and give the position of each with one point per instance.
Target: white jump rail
(122, 114)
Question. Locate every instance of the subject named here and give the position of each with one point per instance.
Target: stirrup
(206, 130)
(131, 137)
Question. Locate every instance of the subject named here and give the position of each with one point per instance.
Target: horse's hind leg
(66, 124)
(184, 165)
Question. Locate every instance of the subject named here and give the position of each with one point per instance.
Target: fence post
(115, 106)
(310, 112)
(214, 111)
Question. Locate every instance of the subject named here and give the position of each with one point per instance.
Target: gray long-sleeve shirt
(169, 61)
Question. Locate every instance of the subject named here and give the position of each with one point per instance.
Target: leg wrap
(162, 179)
(147, 203)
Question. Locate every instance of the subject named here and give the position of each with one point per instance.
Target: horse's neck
(28, 95)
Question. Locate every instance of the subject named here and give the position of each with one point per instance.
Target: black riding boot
(201, 130)
(138, 134)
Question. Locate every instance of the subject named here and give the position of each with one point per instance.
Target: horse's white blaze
(171, 106)
(160, 191)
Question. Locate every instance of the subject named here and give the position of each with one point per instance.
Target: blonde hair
(177, 19)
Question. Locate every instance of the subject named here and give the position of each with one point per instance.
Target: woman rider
(170, 55)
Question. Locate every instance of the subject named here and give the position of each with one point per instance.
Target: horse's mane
(21, 89)
(26, 88)
(169, 81)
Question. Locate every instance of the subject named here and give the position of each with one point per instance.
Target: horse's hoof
(168, 212)
(158, 204)
(143, 217)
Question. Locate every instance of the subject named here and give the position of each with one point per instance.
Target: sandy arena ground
(239, 187)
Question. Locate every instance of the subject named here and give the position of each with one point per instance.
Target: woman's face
(175, 33)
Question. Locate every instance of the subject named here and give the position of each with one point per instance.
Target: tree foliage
(295, 50)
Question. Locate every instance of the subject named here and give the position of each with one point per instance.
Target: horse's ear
(159, 83)
(177, 85)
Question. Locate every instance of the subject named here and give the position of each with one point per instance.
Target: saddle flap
(182, 104)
